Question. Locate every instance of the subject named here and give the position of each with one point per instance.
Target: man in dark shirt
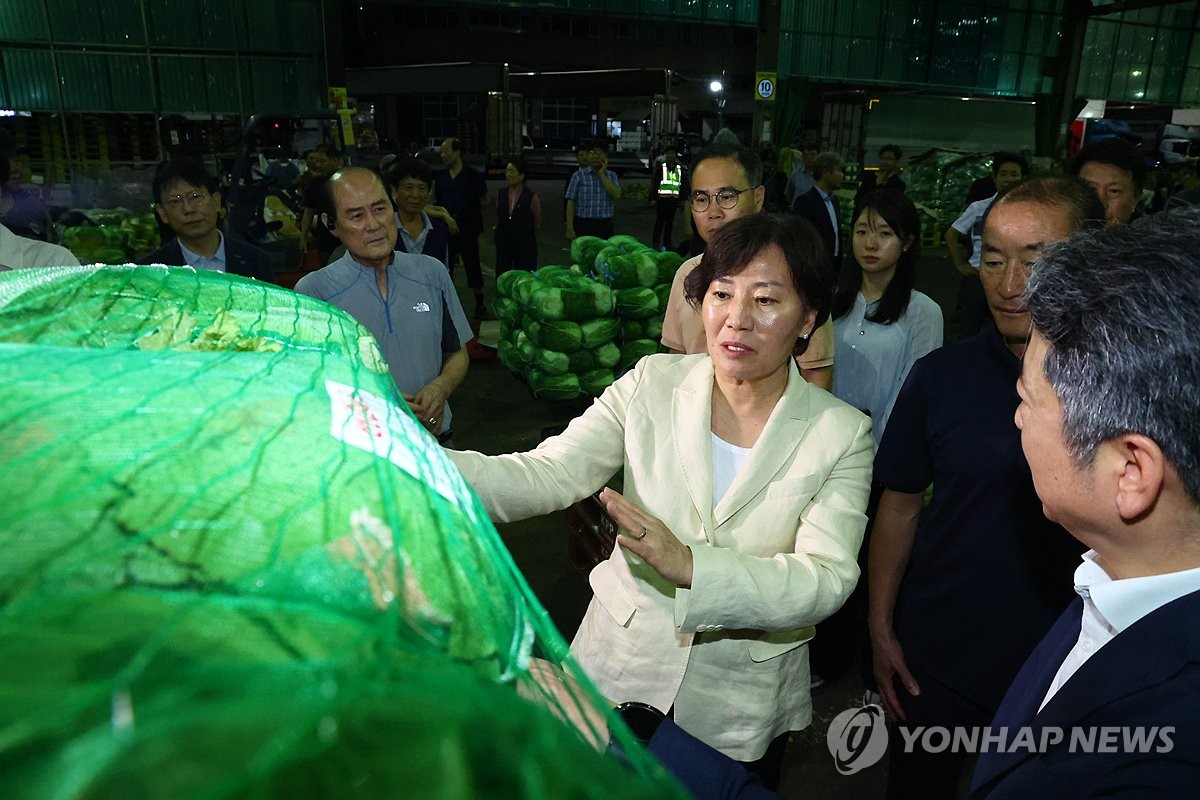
(422, 227)
(820, 206)
(962, 589)
(1108, 424)
(186, 197)
(462, 191)
(1117, 171)
(313, 235)
(886, 177)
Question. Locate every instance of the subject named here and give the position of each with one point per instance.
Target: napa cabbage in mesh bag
(599, 331)
(564, 336)
(583, 300)
(638, 303)
(247, 571)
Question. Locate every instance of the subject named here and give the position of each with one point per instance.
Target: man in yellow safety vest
(666, 194)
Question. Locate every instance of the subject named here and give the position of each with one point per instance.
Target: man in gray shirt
(406, 300)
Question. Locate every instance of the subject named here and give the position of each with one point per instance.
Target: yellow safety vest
(670, 182)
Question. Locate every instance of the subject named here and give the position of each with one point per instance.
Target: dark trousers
(842, 642)
(466, 245)
(769, 768)
(594, 227)
(664, 221)
(931, 776)
(973, 313)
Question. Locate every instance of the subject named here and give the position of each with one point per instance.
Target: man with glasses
(186, 198)
(727, 184)
(963, 586)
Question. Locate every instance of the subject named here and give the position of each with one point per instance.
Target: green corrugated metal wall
(166, 56)
(989, 46)
(1149, 54)
(736, 12)
(1000, 47)
(272, 49)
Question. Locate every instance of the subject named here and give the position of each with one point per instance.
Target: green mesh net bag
(235, 566)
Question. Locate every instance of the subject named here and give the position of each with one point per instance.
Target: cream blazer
(776, 556)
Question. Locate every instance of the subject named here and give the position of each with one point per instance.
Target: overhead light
(715, 87)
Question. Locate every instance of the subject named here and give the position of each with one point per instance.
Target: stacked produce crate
(939, 180)
(113, 236)
(572, 330)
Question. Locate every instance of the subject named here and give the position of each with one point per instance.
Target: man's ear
(162, 214)
(330, 225)
(1140, 469)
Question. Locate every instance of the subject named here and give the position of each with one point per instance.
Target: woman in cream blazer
(706, 607)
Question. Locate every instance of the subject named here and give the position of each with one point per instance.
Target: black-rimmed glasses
(726, 198)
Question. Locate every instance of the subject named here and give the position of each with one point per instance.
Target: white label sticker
(370, 423)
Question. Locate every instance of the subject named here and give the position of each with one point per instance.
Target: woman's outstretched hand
(649, 539)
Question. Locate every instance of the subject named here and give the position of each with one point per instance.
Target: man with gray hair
(1110, 397)
(963, 587)
(820, 206)
(405, 299)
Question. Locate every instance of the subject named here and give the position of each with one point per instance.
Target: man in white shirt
(1110, 395)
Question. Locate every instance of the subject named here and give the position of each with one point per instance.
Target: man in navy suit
(186, 197)
(820, 206)
(1110, 396)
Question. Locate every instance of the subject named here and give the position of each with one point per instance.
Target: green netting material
(234, 567)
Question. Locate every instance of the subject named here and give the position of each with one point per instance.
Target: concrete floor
(494, 412)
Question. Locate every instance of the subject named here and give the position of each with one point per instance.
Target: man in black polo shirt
(963, 588)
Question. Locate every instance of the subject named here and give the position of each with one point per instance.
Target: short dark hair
(520, 163)
(900, 214)
(407, 167)
(736, 243)
(1119, 309)
(1003, 157)
(1116, 152)
(455, 144)
(185, 170)
(827, 162)
(1075, 196)
(890, 148)
(746, 158)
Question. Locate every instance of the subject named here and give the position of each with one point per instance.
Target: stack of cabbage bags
(939, 180)
(557, 331)
(572, 330)
(640, 278)
(114, 236)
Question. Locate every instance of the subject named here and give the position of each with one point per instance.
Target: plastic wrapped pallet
(236, 566)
